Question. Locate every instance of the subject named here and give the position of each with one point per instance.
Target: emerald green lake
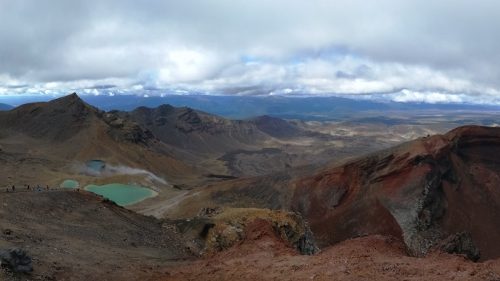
(69, 184)
(122, 194)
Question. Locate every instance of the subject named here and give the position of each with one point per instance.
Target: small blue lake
(69, 184)
(122, 194)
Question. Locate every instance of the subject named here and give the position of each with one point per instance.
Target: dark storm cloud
(33, 33)
(433, 49)
(17, 86)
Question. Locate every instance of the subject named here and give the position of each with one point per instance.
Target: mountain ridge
(4, 106)
(67, 131)
(58, 119)
(204, 132)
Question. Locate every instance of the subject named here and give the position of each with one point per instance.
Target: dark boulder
(16, 260)
(461, 243)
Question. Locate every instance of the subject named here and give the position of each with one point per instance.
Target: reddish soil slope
(264, 257)
(440, 191)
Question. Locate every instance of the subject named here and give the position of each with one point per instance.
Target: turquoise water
(121, 194)
(69, 184)
(96, 165)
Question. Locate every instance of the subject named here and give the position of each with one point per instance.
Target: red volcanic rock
(367, 258)
(424, 192)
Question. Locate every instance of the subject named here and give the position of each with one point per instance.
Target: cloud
(111, 170)
(252, 47)
(427, 97)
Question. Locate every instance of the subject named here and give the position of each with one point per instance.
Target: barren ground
(366, 258)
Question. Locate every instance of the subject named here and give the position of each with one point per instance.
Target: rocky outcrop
(461, 243)
(16, 260)
(299, 236)
(217, 229)
(423, 192)
(124, 130)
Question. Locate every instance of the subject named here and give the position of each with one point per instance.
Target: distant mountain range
(170, 141)
(4, 106)
(243, 107)
(201, 132)
(304, 108)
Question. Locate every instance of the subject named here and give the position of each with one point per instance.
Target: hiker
(28, 187)
(47, 187)
(13, 188)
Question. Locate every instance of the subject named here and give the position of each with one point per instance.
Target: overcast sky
(431, 51)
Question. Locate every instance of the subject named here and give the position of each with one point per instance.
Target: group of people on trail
(28, 188)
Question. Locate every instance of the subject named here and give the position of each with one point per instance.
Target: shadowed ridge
(196, 130)
(276, 127)
(5, 107)
(58, 119)
(71, 102)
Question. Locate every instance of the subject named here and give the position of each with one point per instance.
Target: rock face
(423, 191)
(124, 130)
(217, 229)
(16, 260)
(461, 243)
